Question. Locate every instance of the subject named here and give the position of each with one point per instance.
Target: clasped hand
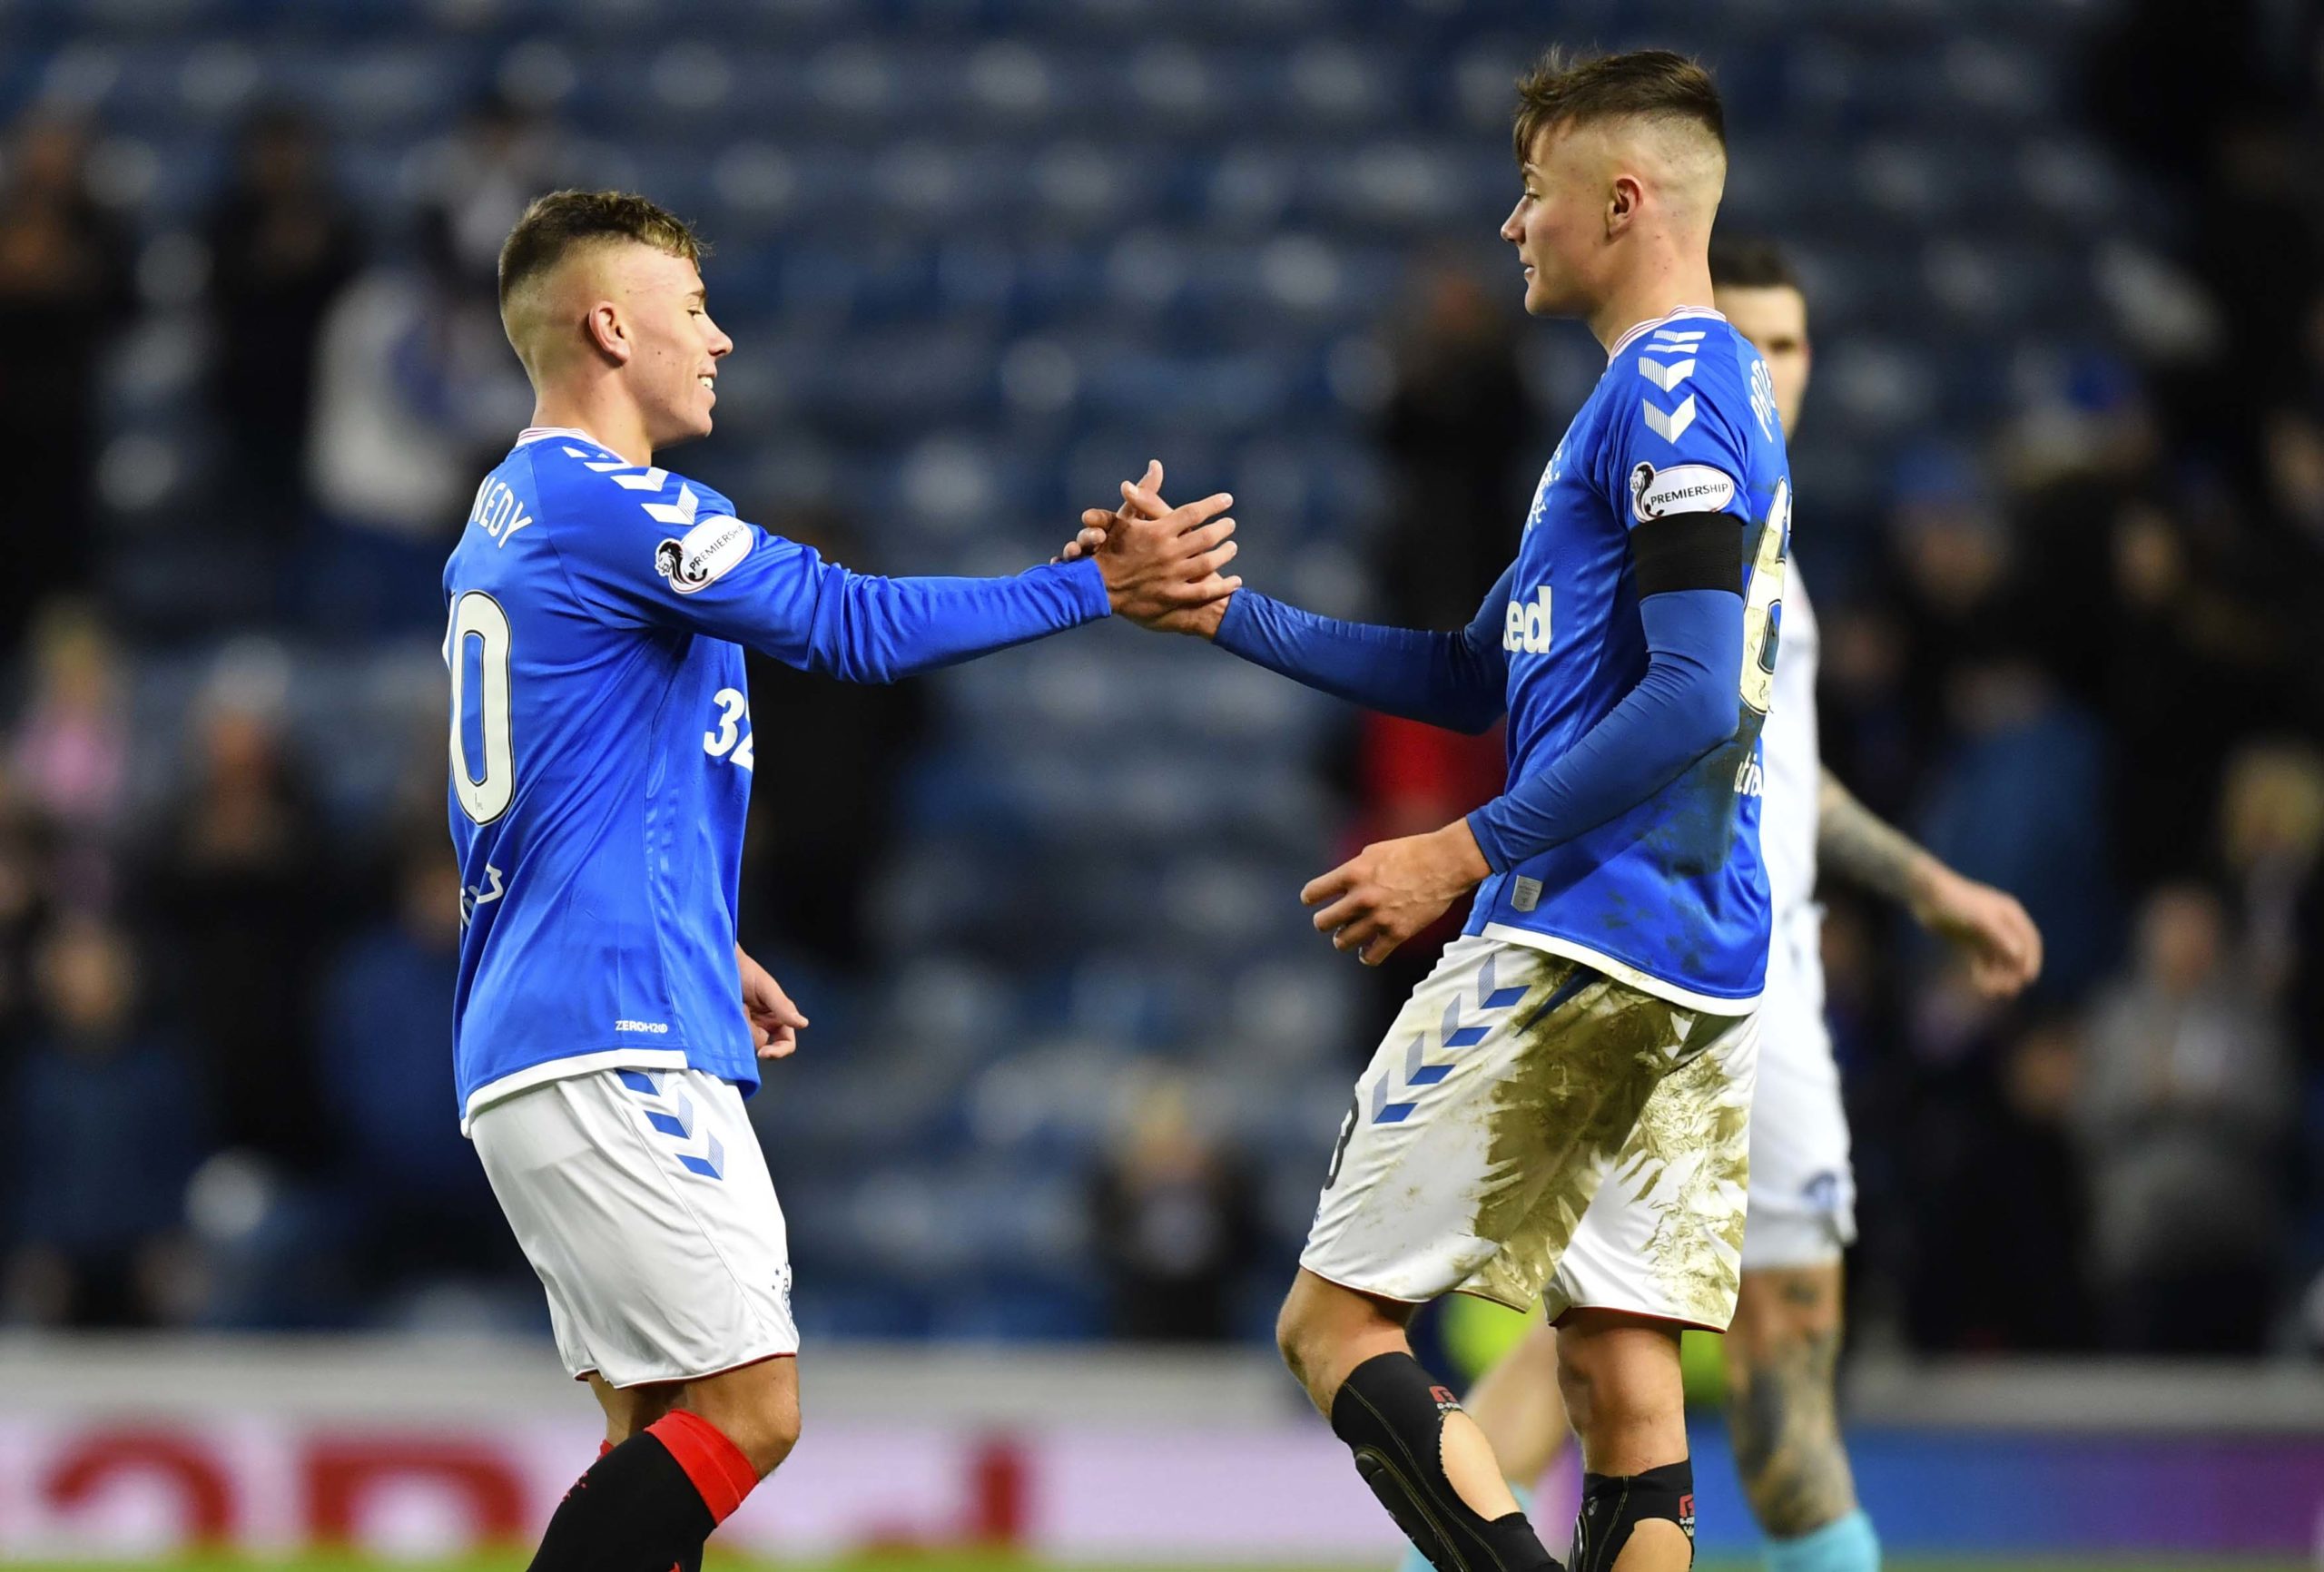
(1172, 605)
(1161, 564)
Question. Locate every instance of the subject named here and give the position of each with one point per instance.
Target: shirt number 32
(732, 739)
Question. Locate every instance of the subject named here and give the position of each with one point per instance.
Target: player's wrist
(1927, 888)
(1461, 855)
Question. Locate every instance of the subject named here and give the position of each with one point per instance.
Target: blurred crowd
(2077, 656)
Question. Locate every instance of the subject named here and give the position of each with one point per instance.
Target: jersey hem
(506, 1087)
(1621, 971)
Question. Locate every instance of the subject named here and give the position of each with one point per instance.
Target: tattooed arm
(1985, 925)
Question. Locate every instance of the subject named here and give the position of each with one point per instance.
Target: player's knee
(759, 1415)
(1577, 1384)
(767, 1435)
(1294, 1337)
(1615, 1402)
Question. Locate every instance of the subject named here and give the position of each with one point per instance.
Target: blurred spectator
(282, 244)
(2020, 803)
(1993, 1201)
(817, 834)
(2187, 671)
(1953, 552)
(386, 1067)
(71, 747)
(2182, 1110)
(26, 885)
(106, 1125)
(417, 393)
(64, 291)
(1463, 438)
(501, 157)
(240, 879)
(2271, 835)
(414, 382)
(1175, 1220)
(1461, 431)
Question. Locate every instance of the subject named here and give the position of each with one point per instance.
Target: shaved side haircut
(1651, 84)
(565, 222)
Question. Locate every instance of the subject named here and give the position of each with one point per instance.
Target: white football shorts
(643, 1200)
(1533, 1129)
(1803, 1186)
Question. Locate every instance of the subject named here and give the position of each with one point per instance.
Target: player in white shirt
(1783, 1345)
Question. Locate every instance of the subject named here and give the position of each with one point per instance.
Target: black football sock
(1391, 1417)
(649, 1503)
(1614, 1504)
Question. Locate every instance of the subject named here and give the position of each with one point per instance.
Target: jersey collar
(531, 434)
(1623, 342)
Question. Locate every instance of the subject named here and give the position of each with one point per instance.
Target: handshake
(1160, 563)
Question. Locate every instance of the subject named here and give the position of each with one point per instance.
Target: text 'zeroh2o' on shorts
(644, 1202)
(1531, 1128)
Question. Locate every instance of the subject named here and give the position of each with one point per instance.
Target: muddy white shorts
(1803, 1185)
(643, 1200)
(1531, 1128)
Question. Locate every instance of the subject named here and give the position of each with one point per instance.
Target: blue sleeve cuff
(1085, 579)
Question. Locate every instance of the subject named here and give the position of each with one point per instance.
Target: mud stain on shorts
(1692, 1153)
(1583, 1074)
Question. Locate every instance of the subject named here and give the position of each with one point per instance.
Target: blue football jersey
(602, 746)
(1671, 896)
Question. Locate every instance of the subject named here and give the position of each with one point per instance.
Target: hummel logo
(1665, 374)
(1668, 424)
(679, 513)
(649, 479)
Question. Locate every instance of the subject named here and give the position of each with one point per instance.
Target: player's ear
(608, 333)
(1622, 203)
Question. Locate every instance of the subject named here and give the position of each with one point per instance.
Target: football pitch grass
(972, 1561)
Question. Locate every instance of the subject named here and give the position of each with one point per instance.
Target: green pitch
(969, 1561)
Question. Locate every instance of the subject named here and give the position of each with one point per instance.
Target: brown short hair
(1651, 83)
(557, 223)
(1750, 262)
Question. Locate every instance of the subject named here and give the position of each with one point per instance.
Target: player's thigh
(1781, 1312)
(1664, 1238)
(1485, 1122)
(644, 1203)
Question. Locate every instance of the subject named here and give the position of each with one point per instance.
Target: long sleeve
(1457, 680)
(1683, 708)
(864, 629)
(647, 548)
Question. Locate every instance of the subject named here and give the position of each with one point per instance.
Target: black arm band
(1688, 551)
